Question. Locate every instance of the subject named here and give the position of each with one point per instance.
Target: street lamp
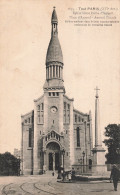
(83, 153)
(80, 161)
(63, 152)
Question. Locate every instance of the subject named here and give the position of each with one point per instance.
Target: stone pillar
(52, 71)
(49, 72)
(90, 132)
(55, 71)
(45, 163)
(61, 112)
(98, 141)
(62, 72)
(36, 168)
(72, 157)
(45, 113)
(21, 165)
(99, 167)
(59, 72)
(85, 123)
(53, 161)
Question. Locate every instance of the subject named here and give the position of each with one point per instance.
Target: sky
(91, 58)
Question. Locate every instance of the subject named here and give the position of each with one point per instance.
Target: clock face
(53, 109)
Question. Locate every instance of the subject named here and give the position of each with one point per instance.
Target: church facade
(54, 133)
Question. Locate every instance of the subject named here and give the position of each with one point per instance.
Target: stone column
(49, 72)
(90, 132)
(72, 157)
(61, 112)
(22, 128)
(53, 155)
(55, 71)
(45, 163)
(59, 71)
(98, 141)
(98, 152)
(62, 72)
(45, 113)
(52, 71)
(36, 168)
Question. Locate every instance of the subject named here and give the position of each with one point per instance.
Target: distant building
(55, 129)
(17, 153)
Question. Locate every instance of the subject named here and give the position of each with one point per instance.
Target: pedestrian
(115, 174)
(69, 175)
(73, 174)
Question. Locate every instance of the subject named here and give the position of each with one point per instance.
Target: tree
(112, 131)
(9, 164)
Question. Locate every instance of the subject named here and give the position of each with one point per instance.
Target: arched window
(76, 118)
(78, 137)
(42, 106)
(30, 137)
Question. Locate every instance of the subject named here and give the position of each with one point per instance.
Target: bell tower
(54, 59)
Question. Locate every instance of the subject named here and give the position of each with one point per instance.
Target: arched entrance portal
(54, 157)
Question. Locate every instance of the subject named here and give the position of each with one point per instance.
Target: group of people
(70, 175)
(115, 175)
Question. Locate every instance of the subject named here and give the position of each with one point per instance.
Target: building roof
(54, 52)
(54, 16)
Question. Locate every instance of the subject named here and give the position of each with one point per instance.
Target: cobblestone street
(43, 185)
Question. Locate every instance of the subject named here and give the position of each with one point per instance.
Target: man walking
(115, 176)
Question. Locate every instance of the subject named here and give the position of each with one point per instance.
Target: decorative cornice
(54, 63)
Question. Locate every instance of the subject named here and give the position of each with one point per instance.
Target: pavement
(48, 185)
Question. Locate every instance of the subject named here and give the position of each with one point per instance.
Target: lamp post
(80, 161)
(63, 152)
(83, 153)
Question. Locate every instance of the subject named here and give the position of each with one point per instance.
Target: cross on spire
(96, 92)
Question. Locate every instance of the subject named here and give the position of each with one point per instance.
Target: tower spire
(54, 58)
(97, 92)
(54, 22)
(98, 141)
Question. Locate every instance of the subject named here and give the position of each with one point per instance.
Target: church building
(54, 133)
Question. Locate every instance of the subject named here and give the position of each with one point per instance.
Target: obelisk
(99, 167)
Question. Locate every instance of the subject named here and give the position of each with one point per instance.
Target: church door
(50, 161)
(54, 158)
